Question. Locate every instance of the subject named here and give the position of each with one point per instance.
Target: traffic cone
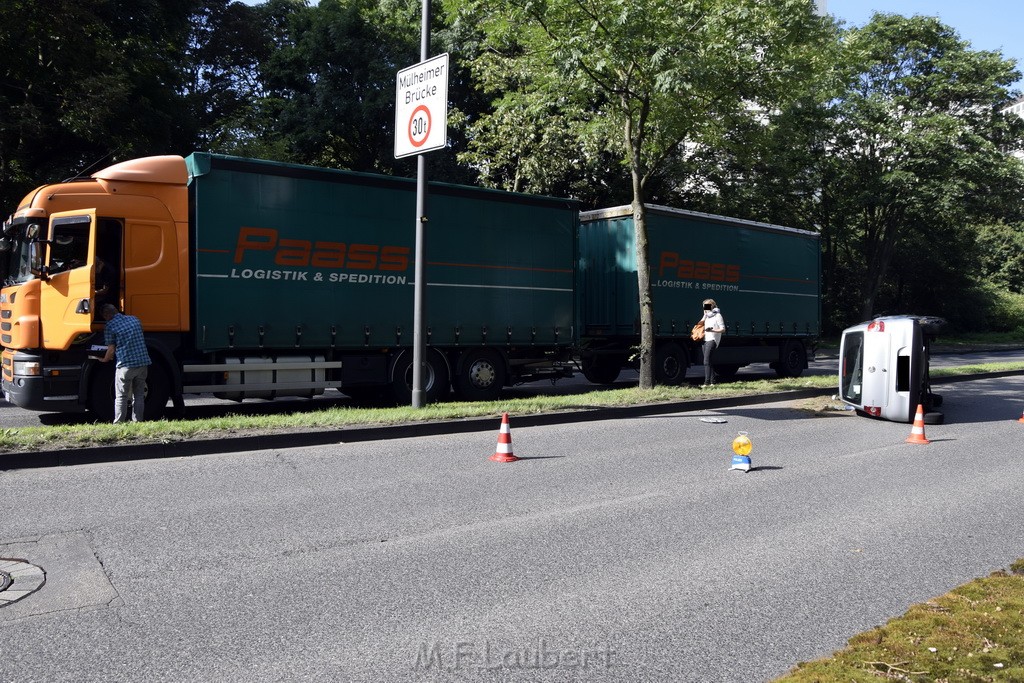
(504, 450)
(917, 433)
(1021, 419)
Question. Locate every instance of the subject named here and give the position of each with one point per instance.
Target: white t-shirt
(713, 320)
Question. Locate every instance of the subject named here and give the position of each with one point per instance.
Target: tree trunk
(643, 279)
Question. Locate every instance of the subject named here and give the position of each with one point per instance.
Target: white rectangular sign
(421, 107)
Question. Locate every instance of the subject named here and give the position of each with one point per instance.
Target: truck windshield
(14, 256)
(851, 367)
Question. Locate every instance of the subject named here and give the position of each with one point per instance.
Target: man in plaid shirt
(125, 342)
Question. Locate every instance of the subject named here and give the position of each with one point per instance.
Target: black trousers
(709, 350)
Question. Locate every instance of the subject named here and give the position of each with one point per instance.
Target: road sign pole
(419, 344)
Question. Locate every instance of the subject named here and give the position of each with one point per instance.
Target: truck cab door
(66, 295)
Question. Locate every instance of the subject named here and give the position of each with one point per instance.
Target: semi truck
(764, 277)
(255, 279)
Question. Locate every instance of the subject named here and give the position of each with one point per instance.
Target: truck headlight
(27, 368)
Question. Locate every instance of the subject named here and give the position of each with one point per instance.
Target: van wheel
(934, 418)
(480, 375)
(670, 363)
(436, 378)
(792, 361)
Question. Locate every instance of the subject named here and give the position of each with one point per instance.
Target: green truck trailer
(764, 277)
(261, 279)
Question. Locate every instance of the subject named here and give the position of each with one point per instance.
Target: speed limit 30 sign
(421, 107)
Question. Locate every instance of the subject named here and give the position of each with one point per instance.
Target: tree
(921, 144)
(84, 83)
(222, 71)
(639, 79)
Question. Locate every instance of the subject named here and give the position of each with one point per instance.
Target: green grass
(973, 633)
(21, 439)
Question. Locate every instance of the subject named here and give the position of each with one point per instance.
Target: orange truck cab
(119, 237)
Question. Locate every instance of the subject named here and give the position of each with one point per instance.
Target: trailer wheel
(436, 378)
(670, 363)
(602, 369)
(480, 375)
(792, 360)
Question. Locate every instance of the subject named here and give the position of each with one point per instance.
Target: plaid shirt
(124, 332)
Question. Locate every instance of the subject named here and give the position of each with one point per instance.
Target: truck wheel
(101, 392)
(792, 360)
(158, 390)
(436, 378)
(602, 369)
(670, 364)
(480, 375)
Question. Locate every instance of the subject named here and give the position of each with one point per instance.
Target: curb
(184, 449)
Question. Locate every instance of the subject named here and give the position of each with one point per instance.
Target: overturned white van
(883, 368)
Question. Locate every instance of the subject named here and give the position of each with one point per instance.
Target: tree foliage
(86, 82)
(886, 138)
(636, 80)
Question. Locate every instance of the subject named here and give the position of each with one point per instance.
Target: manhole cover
(18, 579)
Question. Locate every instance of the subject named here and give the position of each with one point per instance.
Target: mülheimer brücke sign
(421, 107)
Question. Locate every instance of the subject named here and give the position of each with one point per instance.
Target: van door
(66, 295)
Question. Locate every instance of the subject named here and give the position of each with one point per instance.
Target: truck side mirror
(36, 254)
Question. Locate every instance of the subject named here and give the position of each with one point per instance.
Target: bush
(1006, 311)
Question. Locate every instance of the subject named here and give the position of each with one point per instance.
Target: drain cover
(18, 578)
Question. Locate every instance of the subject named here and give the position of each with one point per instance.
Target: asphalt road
(206, 406)
(621, 550)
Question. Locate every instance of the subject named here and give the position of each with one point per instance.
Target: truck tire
(792, 360)
(480, 375)
(670, 363)
(436, 377)
(602, 369)
(101, 392)
(158, 390)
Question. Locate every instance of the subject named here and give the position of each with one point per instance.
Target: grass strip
(23, 439)
(973, 633)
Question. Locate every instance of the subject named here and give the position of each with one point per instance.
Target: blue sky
(986, 24)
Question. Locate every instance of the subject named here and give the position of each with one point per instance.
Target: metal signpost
(421, 125)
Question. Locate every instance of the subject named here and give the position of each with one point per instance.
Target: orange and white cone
(917, 432)
(1021, 419)
(504, 450)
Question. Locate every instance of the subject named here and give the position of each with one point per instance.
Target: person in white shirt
(714, 327)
